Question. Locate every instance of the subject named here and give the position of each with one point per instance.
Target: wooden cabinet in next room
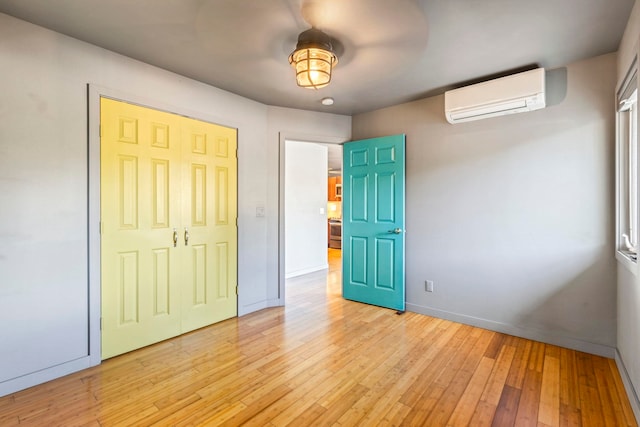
(335, 188)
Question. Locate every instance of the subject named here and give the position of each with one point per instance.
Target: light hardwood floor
(326, 361)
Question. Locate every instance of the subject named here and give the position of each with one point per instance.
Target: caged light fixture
(313, 59)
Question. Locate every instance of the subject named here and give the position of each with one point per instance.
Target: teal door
(373, 193)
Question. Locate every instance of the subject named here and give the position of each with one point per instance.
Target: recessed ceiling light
(327, 101)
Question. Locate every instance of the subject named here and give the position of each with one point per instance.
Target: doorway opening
(311, 213)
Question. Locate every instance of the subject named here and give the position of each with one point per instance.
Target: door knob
(186, 236)
(395, 231)
(175, 238)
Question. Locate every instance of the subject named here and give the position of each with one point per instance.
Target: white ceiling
(391, 51)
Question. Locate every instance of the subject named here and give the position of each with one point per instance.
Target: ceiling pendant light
(313, 59)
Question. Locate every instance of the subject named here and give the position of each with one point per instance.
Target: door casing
(291, 136)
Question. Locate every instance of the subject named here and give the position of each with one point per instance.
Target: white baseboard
(29, 380)
(528, 333)
(278, 302)
(250, 308)
(628, 386)
(304, 271)
(260, 305)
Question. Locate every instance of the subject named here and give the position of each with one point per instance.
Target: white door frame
(292, 136)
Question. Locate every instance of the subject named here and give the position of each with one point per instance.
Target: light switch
(260, 211)
(321, 211)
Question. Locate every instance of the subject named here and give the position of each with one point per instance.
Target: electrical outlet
(428, 285)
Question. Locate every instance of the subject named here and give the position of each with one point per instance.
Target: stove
(335, 233)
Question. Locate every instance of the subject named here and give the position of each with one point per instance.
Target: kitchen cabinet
(335, 188)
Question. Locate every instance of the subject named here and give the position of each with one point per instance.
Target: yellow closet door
(140, 206)
(209, 216)
(169, 235)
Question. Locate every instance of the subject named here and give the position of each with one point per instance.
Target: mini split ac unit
(507, 95)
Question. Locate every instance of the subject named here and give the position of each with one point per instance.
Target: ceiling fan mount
(360, 35)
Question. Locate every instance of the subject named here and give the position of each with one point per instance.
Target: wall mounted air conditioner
(507, 95)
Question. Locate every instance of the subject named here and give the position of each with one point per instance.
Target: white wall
(628, 334)
(512, 217)
(305, 208)
(44, 192)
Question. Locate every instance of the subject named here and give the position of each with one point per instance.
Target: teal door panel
(373, 194)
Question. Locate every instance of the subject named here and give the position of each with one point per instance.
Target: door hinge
(101, 323)
(236, 289)
(100, 130)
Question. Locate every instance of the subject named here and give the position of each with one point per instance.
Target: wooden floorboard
(325, 361)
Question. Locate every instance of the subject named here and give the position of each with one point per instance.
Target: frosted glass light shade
(313, 67)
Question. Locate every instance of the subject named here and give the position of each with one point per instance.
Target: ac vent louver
(517, 93)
